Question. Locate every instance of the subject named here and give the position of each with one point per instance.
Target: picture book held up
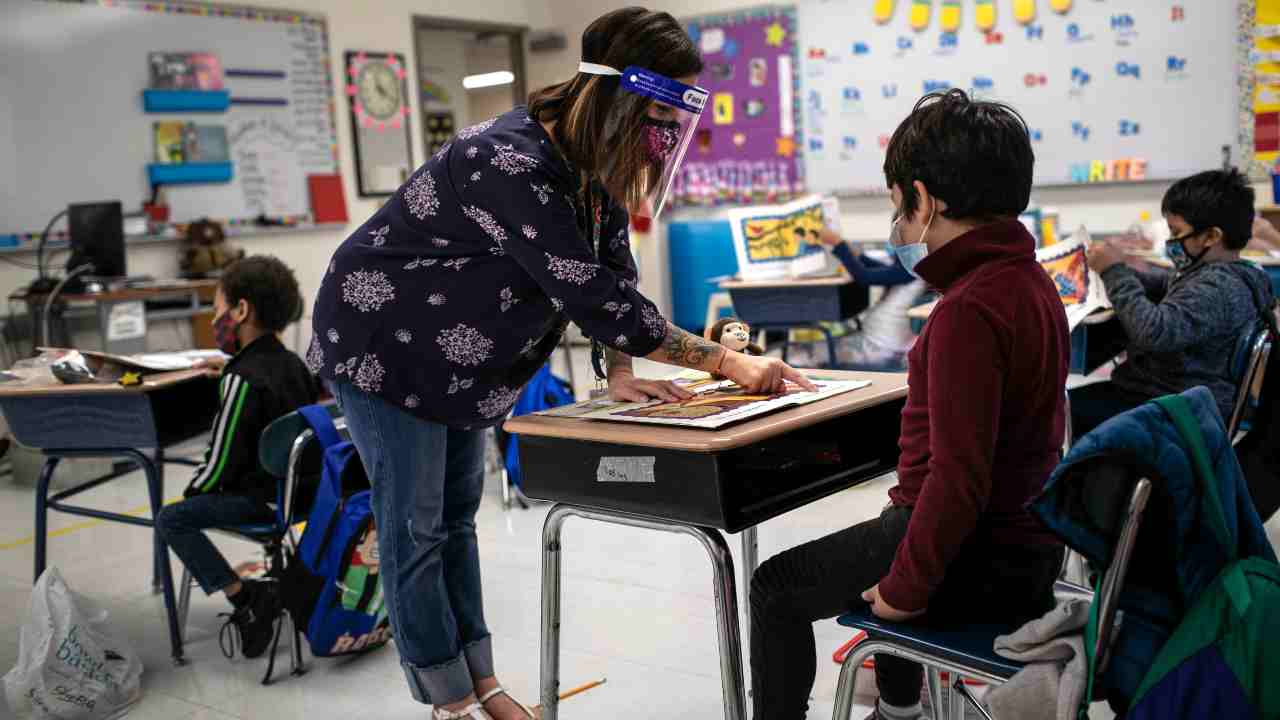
(780, 241)
(715, 404)
(1080, 288)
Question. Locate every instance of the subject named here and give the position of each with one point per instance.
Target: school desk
(1079, 337)
(112, 309)
(106, 420)
(702, 483)
(797, 303)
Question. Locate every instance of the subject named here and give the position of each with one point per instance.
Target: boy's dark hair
(973, 154)
(1215, 198)
(598, 128)
(269, 287)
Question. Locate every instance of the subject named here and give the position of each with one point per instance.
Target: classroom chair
(286, 451)
(1250, 363)
(967, 652)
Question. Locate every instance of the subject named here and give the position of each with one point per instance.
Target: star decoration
(775, 34)
(130, 379)
(786, 147)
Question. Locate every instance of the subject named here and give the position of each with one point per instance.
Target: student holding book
(878, 340)
(1182, 327)
(981, 430)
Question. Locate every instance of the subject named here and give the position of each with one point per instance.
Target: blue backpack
(332, 587)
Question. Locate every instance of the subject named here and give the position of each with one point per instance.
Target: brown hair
(599, 130)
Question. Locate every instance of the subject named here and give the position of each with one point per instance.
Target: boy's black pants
(826, 577)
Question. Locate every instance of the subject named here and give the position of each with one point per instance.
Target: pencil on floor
(581, 689)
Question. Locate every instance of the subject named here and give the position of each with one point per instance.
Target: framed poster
(379, 98)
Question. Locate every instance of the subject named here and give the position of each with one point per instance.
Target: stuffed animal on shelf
(735, 335)
(207, 251)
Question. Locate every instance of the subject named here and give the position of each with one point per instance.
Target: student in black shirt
(256, 299)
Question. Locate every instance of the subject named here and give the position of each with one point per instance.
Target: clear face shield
(671, 109)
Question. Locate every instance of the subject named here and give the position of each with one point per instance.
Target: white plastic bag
(70, 665)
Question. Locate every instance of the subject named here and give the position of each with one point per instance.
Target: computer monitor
(97, 238)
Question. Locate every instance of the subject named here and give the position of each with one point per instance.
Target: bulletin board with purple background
(1121, 91)
(747, 148)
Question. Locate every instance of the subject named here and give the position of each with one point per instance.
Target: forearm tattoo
(615, 359)
(682, 348)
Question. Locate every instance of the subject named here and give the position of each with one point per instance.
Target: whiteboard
(1105, 81)
(72, 126)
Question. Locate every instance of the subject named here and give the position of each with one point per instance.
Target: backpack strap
(1178, 410)
(317, 416)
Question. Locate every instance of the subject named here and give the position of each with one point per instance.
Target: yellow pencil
(577, 691)
(582, 688)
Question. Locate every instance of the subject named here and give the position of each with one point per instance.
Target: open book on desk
(155, 362)
(715, 404)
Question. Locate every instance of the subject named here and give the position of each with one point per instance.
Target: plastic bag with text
(70, 665)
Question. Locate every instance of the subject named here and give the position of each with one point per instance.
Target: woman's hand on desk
(884, 610)
(762, 374)
(625, 387)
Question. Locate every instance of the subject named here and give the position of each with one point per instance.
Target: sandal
(474, 711)
(503, 691)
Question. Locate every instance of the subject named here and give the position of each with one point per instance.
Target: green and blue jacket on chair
(1192, 632)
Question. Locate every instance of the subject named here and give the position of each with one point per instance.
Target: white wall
(385, 25)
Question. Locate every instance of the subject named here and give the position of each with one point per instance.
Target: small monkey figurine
(735, 335)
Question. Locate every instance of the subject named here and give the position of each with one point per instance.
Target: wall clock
(379, 98)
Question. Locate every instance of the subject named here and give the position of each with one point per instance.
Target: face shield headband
(673, 109)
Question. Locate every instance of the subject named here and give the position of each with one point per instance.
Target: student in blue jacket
(880, 337)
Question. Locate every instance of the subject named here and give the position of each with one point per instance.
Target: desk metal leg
(156, 488)
(725, 592)
(42, 514)
(750, 561)
(159, 554)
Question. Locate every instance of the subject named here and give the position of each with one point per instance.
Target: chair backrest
(1108, 597)
(1251, 363)
(289, 452)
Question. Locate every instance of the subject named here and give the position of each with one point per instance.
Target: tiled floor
(637, 610)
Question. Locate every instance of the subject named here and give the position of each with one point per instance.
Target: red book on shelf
(328, 204)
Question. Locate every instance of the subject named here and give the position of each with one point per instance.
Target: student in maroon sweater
(981, 430)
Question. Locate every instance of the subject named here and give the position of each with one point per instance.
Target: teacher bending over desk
(437, 310)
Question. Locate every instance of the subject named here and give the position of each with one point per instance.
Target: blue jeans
(427, 483)
(181, 525)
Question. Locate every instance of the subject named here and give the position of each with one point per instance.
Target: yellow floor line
(73, 527)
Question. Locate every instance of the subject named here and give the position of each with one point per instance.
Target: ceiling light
(471, 82)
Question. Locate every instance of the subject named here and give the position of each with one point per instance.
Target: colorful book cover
(169, 141)
(1081, 289)
(185, 70)
(207, 69)
(171, 70)
(779, 241)
(207, 144)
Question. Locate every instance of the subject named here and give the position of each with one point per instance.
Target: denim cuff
(479, 655)
(448, 682)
